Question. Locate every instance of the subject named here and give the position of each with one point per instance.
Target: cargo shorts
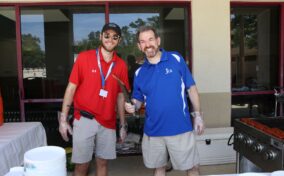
(90, 137)
(181, 149)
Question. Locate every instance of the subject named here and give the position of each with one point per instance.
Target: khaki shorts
(89, 137)
(181, 148)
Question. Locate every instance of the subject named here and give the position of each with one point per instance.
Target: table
(17, 138)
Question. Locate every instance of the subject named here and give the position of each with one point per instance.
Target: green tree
(246, 25)
(33, 56)
(128, 44)
(92, 42)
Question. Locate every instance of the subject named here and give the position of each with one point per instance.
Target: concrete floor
(133, 166)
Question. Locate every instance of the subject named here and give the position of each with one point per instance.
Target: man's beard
(108, 50)
(152, 53)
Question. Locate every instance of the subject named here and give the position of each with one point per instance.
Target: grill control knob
(270, 155)
(257, 148)
(248, 141)
(239, 136)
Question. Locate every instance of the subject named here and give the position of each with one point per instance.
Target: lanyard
(101, 71)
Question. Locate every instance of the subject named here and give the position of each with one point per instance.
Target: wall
(212, 58)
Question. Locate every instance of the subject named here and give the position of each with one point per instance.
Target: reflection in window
(129, 26)
(45, 51)
(169, 21)
(51, 39)
(254, 60)
(87, 28)
(254, 37)
(33, 50)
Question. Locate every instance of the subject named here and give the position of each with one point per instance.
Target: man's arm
(64, 126)
(197, 114)
(68, 98)
(121, 114)
(194, 98)
(120, 108)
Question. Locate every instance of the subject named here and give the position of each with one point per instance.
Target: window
(51, 39)
(254, 59)
(53, 35)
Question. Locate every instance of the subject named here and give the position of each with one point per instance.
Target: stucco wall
(211, 59)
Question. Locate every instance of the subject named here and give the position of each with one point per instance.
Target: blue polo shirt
(162, 87)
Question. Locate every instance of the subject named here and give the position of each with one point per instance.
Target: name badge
(103, 93)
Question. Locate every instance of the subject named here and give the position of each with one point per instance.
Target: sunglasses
(115, 37)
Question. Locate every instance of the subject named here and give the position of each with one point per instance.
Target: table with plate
(17, 138)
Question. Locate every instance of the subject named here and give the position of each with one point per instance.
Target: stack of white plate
(254, 174)
(275, 173)
(45, 161)
(278, 173)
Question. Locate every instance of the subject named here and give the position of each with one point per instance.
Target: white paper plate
(253, 174)
(278, 173)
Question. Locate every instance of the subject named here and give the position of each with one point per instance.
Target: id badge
(103, 93)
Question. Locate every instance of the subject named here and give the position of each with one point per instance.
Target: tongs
(124, 91)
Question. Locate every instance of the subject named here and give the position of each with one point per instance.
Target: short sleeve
(124, 75)
(185, 72)
(75, 73)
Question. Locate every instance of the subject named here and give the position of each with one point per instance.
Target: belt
(83, 113)
(86, 114)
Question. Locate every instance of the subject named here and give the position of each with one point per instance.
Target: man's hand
(123, 132)
(64, 127)
(198, 122)
(130, 108)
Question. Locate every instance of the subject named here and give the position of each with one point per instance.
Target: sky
(83, 24)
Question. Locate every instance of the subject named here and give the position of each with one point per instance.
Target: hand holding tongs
(124, 91)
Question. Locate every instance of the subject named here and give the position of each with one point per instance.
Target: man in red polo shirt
(93, 89)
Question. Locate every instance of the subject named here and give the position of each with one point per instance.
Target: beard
(107, 48)
(151, 51)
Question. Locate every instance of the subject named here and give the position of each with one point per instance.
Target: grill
(261, 141)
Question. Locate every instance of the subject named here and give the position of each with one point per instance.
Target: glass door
(9, 86)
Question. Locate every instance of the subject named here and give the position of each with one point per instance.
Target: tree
(92, 42)
(33, 56)
(246, 25)
(128, 44)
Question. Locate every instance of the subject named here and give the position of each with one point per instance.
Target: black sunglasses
(115, 37)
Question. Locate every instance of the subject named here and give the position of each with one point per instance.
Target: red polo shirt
(86, 75)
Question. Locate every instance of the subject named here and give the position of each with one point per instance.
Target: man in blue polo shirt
(161, 84)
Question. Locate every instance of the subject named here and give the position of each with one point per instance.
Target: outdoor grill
(261, 141)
